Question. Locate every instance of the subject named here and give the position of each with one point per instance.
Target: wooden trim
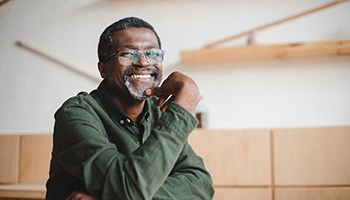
(267, 52)
(272, 165)
(3, 2)
(57, 60)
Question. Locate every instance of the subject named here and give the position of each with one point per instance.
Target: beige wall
(269, 94)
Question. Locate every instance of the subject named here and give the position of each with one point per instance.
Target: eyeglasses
(131, 57)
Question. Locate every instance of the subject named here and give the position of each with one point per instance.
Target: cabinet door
(242, 193)
(35, 158)
(9, 156)
(312, 157)
(235, 158)
(336, 193)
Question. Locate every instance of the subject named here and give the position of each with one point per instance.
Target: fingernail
(148, 92)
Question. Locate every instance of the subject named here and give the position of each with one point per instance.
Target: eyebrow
(131, 46)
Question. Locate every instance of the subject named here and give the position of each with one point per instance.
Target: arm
(188, 180)
(86, 153)
(177, 88)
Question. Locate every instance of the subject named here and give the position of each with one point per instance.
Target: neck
(132, 107)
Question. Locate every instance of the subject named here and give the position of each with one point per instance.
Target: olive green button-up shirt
(100, 151)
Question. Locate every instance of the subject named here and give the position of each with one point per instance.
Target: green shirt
(99, 150)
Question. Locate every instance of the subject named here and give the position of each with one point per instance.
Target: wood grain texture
(35, 158)
(336, 193)
(312, 156)
(235, 158)
(242, 193)
(9, 156)
(267, 52)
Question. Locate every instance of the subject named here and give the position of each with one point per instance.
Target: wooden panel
(9, 156)
(35, 158)
(341, 193)
(264, 52)
(235, 158)
(23, 191)
(242, 193)
(313, 156)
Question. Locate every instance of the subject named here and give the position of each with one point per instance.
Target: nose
(143, 61)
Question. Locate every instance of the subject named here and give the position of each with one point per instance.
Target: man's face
(130, 80)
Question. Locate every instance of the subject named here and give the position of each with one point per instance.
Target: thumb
(150, 92)
(156, 91)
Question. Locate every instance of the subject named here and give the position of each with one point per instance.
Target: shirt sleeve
(188, 180)
(84, 151)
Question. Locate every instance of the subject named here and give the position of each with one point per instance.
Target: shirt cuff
(178, 118)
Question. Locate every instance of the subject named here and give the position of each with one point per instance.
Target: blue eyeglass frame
(135, 55)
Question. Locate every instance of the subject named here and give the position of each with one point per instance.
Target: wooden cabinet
(280, 164)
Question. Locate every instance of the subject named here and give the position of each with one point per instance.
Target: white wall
(268, 94)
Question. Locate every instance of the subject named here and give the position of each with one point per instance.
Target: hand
(178, 88)
(80, 196)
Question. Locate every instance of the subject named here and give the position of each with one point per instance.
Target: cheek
(114, 70)
(160, 67)
(119, 75)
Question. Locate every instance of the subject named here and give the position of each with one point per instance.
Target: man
(128, 138)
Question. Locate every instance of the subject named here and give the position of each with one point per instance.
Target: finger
(165, 105)
(156, 91)
(167, 88)
(149, 92)
(161, 100)
(164, 99)
(161, 91)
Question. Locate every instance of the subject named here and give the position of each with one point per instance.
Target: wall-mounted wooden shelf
(266, 52)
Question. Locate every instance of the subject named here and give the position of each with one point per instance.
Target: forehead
(140, 38)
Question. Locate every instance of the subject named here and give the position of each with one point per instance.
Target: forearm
(188, 180)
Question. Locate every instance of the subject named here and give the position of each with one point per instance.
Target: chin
(139, 97)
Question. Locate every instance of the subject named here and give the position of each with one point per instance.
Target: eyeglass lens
(130, 57)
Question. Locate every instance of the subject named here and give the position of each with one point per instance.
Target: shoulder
(81, 99)
(82, 102)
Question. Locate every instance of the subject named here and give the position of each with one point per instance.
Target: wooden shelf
(267, 52)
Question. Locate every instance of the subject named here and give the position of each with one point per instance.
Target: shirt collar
(114, 110)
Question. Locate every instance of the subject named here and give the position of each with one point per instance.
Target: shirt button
(121, 121)
(128, 121)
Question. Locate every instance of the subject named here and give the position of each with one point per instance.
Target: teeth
(140, 76)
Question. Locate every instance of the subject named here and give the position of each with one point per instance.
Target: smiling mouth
(141, 76)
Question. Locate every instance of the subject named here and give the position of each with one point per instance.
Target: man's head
(106, 46)
(130, 58)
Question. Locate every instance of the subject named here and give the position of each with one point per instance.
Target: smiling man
(128, 138)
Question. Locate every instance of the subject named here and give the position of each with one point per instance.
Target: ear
(102, 68)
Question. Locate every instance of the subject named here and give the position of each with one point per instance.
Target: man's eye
(153, 53)
(126, 54)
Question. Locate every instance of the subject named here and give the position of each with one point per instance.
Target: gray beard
(139, 94)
